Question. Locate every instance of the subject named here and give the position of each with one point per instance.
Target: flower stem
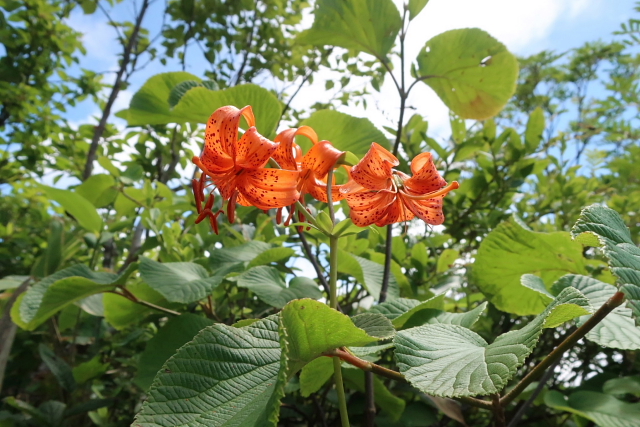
(333, 302)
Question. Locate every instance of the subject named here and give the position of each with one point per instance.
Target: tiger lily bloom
(378, 194)
(313, 166)
(236, 166)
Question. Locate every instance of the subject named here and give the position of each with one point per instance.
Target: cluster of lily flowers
(255, 171)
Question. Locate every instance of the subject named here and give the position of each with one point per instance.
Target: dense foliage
(108, 264)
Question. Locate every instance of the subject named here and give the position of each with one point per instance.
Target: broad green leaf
(368, 273)
(150, 105)
(49, 261)
(392, 405)
(535, 128)
(398, 277)
(268, 284)
(603, 409)
(35, 413)
(272, 255)
(182, 282)
(121, 312)
(510, 251)
(622, 386)
(452, 361)
(11, 282)
(174, 334)
(415, 7)
(473, 73)
(242, 253)
(618, 329)
(310, 328)
(199, 103)
(77, 206)
(55, 292)
(315, 374)
(98, 189)
(424, 309)
(622, 253)
(346, 133)
(447, 258)
(89, 370)
(367, 26)
(375, 324)
(58, 367)
(224, 377)
(182, 88)
(466, 320)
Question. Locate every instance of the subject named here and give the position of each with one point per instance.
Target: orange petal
(254, 150)
(286, 154)
(221, 137)
(396, 212)
(368, 207)
(428, 210)
(268, 188)
(426, 178)
(374, 170)
(318, 189)
(321, 157)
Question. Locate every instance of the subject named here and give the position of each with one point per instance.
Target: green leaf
(272, 255)
(55, 292)
(367, 26)
(535, 128)
(368, 273)
(452, 361)
(174, 334)
(375, 324)
(424, 309)
(242, 253)
(58, 367)
(199, 103)
(310, 328)
(150, 105)
(268, 285)
(80, 208)
(602, 409)
(121, 312)
(473, 73)
(89, 370)
(50, 260)
(315, 374)
(11, 282)
(197, 387)
(618, 329)
(415, 7)
(182, 282)
(98, 189)
(622, 253)
(510, 251)
(446, 260)
(622, 386)
(346, 133)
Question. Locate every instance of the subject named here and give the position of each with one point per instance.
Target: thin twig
(131, 297)
(498, 411)
(568, 343)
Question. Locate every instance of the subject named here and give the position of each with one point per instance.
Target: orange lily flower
(313, 166)
(236, 167)
(379, 194)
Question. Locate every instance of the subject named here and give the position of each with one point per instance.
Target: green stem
(333, 301)
(342, 399)
(569, 342)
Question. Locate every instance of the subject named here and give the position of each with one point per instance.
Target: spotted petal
(374, 170)
(426, 178)
(267, 188)
(368, 207)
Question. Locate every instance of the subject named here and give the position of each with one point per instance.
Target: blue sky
(525, 27)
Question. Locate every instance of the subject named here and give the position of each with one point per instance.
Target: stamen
(454, 185)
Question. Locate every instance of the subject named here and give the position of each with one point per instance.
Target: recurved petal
(221, 137)
(288, 153)
(268, 188)
(321, 157)
(426, 178)
(368, 207)
(254, 150)
(374, 170)
(318, 189)
(428, 210)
